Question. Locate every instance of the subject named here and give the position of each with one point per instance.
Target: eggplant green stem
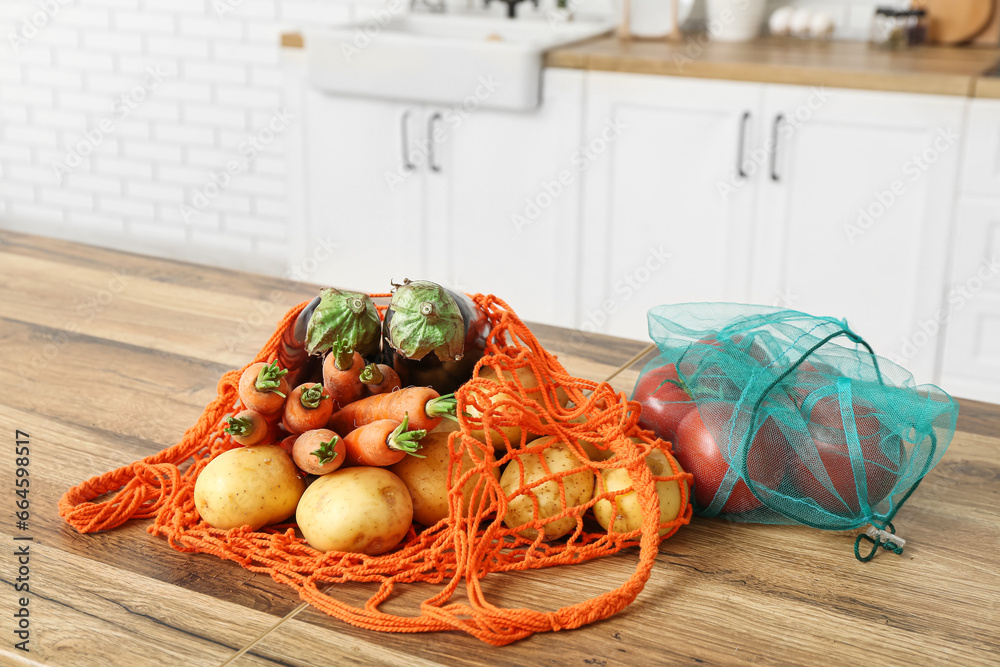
(343, 356)
(326, 452)
(269, 378)
(402, 440)
(442, 406)
(372, 374)
(312, 396)
(239, 426)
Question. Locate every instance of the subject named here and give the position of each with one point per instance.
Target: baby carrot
(307, 407)
(379, 379)
(247, 428)
(318, 451)
(423, 405)
(263, 388)
(341, 370)
(382, 443)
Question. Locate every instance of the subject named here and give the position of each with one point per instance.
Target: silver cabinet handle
(774, 146)
(403, 133)
(742, 145)
(435, 117)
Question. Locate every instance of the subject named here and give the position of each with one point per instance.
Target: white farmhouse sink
(444, 59)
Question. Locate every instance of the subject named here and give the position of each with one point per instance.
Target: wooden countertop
(108, 357)
(837, 64)
(935, 70)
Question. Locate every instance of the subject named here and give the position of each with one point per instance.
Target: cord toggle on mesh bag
(784, 417)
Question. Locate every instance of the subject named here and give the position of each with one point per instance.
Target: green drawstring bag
(784, 417)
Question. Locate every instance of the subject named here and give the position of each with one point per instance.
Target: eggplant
(344, 318)
(424, 317)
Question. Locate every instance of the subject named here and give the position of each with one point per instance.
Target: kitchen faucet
(511, 13)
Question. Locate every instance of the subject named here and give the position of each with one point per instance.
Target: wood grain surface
(836, 64)
(108, 357)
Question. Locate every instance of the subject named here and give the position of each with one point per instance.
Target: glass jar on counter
(898, 28)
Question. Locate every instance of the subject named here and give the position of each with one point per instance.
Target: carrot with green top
(307, 407)
(247, 428)
(382, 443)
(423, 405)
(263, 388)
(342, 369)
(379, 379)
(319, 451)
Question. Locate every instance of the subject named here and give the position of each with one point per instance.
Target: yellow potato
(593, 453)
(248, 486)
(578, 487)
(626, 511)
(528, 381)
(359, 510)
(513, 433)
(427, 478)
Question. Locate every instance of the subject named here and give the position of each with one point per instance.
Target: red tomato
(664, 404)
(698, 453)
(806, 379)
(884, 455)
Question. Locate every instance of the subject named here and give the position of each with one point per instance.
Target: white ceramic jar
(735, 20)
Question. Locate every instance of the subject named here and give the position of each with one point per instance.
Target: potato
(248, 486)
(513, 433)
(626, 511)
(361, 510)
(593, 453)
(528, 381)
(579, 488)
(427, 478)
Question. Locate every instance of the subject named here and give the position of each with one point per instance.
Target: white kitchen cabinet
(448, 194)
(971, 364)
(667, 216)
(359, 194)
(981, 163)
(972, 312)
(502, 219)
(854, 213)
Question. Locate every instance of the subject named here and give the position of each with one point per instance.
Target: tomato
(884, 457)
(664, 403)
(698, 453)
(806, 379)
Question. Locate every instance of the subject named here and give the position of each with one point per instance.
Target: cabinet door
(854, 221)
(981, 165)
(972, 353)
(363, 191)
(666, 212)
(500, 218)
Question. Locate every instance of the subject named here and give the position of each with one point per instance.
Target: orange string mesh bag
(460, 551)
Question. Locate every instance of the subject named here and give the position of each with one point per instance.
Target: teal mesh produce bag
(796, 420)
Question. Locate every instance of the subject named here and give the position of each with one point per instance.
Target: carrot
(379, 379)
(288, 443)
(247, 428)
(423, 405)
(341, 370)
(263, 388)
(318, 451)
(307, 407)
(382, 443)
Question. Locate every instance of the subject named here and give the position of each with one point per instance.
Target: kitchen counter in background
(934, 70)
(837, 64)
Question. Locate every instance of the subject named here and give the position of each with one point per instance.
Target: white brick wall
(133, 185)
(128, 186)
